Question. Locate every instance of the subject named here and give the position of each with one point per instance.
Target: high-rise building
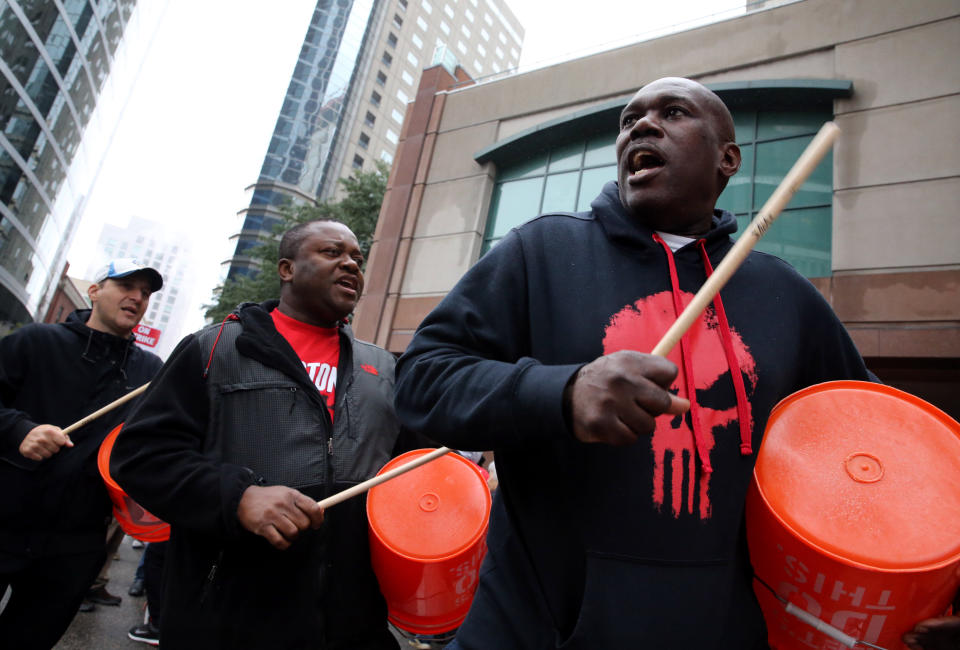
(154, 244)
(358, 68)
(56, 58)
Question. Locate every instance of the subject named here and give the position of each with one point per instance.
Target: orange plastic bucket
(428, 532)
(854, 514)
(134, 520)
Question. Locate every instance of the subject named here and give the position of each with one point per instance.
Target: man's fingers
(678, 405)
(288, 527)
(43, 441)
(297, 517)
(311, 509)
(272, 535)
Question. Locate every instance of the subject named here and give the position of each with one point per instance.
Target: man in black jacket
(54, 509)
(249, 423)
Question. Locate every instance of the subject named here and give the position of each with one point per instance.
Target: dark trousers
(153, 559)
(45, 595)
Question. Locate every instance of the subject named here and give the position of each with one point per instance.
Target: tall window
(565, 179)
(770, 143)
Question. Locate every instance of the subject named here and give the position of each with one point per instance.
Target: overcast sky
(200, 116)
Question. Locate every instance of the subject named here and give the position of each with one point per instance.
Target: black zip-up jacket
(234, 407)
(58, 374)
(593, 546)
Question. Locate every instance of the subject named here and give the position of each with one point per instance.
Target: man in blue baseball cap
(55, 509)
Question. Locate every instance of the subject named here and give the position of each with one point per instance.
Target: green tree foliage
(358, 209)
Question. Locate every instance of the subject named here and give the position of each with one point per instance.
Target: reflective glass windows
(568, 177)
(770, 143)
(564, 179)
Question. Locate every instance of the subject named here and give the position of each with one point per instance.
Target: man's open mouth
(349, 283)
(641, 161)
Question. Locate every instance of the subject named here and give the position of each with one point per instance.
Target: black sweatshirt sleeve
(467, 379)
(14, 424)
(158, 458)
(830, 352)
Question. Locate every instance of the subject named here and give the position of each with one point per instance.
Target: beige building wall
(896, 235)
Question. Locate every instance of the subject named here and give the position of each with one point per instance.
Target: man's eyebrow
(658, 101)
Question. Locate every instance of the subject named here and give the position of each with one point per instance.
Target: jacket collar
(261, 341)
(621, 227)
(98, 345)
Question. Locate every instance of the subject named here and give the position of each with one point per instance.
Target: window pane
(565, 158)
(560, 194)
(774, 160)
(801, 237)
(782, 124)
(514, 203)
(592, 182)
(743, 122)
(601, 151)
(736, 196)
(528, 167)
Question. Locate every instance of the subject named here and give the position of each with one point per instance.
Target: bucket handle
(817, 624)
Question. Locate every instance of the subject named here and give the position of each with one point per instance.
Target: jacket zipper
(211, 576)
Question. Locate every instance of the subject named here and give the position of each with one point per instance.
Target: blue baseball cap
(125, 266)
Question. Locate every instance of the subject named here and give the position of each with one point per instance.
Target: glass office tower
(358, 69)
(298, 156)
(55, 59)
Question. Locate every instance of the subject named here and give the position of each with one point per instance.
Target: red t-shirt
(318, 349)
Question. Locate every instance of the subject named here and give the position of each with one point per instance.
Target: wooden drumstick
(360, 488)
(104, 410)
(797, 175)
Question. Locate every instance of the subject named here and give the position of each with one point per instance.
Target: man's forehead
(331, 231)
(670, 88)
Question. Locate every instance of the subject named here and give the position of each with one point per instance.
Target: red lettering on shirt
(318, 349)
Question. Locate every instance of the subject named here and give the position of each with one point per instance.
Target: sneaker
(101, 596)
(136, 543)
(87, 606)
(137, 588)
(145, 633)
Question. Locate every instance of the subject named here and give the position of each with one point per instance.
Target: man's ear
(93, 292)
(729, 159)
(285, 269)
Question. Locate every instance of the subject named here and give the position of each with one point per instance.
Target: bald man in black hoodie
(619, 519)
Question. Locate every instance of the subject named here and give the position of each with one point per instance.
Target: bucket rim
(932, 410)
(471, 542)
(103, 458)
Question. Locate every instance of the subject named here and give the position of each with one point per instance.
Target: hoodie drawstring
(743, 413)
(698, 437)
(86, 349)
(123, 361)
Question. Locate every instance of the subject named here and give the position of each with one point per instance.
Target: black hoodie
(58, 374)
(603, 547)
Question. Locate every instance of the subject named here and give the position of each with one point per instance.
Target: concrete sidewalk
(105, 628)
